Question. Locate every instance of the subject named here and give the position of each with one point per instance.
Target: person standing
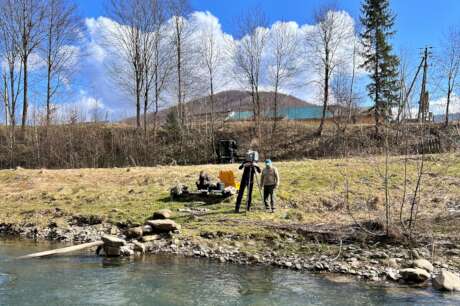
(247, 180)
(270, 181)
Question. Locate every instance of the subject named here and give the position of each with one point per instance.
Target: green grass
(312, 192)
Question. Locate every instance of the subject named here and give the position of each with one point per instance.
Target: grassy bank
(312, 193)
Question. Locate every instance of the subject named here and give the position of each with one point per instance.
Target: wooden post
(63, 250)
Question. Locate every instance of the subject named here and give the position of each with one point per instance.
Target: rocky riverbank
(370, 261)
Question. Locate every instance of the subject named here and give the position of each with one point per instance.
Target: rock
(126, 251)
(414, 275)
(113, 241)
(139, 247)
(447, 281)
(111, 251)
(135, 232)
(423, 264)
(162, 214)
(392, 275)
(288, 264)
(150, 238)
(147, 229)
(163, 225)
(392, 263)
(415, 254)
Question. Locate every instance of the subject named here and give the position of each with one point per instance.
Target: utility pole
(424, 106)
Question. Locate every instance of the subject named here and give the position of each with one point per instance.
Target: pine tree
(378, 20)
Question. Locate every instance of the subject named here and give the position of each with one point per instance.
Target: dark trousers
(241, 193)
(269, 192)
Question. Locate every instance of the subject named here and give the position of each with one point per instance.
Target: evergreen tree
(378, 20)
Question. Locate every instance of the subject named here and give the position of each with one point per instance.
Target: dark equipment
(227, 151)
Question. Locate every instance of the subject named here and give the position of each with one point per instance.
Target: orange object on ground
(228, 178)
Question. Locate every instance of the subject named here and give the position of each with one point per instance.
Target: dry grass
(312, 192)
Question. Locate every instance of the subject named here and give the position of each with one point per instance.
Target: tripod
(249, 184)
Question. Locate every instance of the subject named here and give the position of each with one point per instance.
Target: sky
(418, 23)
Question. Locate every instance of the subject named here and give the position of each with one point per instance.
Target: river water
(84, 279)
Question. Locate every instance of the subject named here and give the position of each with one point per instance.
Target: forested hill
(231, 101)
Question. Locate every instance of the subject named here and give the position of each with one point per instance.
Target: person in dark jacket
(247, 180)
(203, 182)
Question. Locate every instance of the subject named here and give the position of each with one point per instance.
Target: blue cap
(268, 161)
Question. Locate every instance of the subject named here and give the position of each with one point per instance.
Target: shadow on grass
(198, 199)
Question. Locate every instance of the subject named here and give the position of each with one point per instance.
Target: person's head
(268, 163)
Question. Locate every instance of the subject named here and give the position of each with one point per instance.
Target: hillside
(229, 101)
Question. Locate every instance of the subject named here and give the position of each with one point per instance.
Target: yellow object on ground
(228, 178)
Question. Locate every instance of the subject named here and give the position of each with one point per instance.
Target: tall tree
(128, 40)
(248, 58)
(325, 42)
(212, 60)
(179, 10)
(63, 27)
(378, 20)
(158, 64)
(285, 64)
(12, 68)
(28, 19)
(449, 66)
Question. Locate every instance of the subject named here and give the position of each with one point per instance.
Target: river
(84, 279)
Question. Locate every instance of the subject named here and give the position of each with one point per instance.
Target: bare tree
(63, 27)
(285, 44)
(11, 68)
(449, 66)
(29, 16)
(157, 60)
(248, 58)
(179, 10)
(126, 40)
(212, 59)
(324, 42)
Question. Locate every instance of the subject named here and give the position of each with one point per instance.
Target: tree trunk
(325, 97)
(449, 93)
(25, 104)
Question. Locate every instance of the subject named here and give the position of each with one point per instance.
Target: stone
(423, 264)
(139, 247)
(414, 275)
(126, 251)
(392, 263)
(447, 281)
(111, 251)
(150, 238)
(415, 254)
(164, 225)
(162, 214)
(392, 274)
(147, 229)
(135, 232)
(113, 241)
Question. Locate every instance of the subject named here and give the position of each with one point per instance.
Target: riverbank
(311, 230)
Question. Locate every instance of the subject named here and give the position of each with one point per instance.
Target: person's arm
(262, 179)
(257, 168)
(241, 166)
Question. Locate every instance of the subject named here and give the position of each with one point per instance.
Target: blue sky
(418, 23)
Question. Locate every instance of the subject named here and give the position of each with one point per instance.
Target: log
(63, 250)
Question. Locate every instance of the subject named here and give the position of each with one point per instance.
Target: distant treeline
(97, 145)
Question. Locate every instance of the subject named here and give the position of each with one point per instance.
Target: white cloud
(98, 84)
(438, 106)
